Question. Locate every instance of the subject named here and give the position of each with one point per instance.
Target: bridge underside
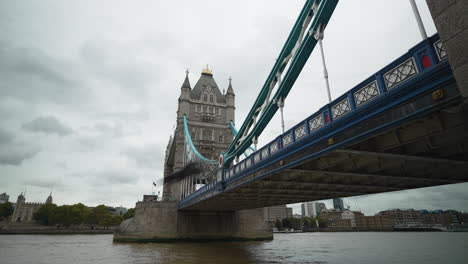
(424, 151)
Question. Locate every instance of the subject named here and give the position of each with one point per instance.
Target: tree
(295, 223)
(278, 224)
(129, 214)
(46, 214)
(306, 222)
(6, 209)
(286, 223)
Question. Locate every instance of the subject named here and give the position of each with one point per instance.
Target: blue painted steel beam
(234, 133)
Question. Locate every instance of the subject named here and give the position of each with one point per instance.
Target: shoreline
(55, 231)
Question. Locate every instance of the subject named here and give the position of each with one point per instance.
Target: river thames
(365, 247)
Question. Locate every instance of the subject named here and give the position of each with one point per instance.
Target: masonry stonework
(451, 20)
(209, 113)
(162, 222)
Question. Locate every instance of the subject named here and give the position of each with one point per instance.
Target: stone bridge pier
(161, 221)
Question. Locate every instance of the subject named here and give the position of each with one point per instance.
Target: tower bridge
(404, 127)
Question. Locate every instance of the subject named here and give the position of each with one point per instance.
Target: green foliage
(6, 209)
(286, 223)
(278, 224)
(76, 214)
(129, 214)
(295, 223)
(46, 214)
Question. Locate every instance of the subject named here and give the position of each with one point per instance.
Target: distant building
(4, 198)
(330, 217)
(278, 212)
(120, 211)
(408, 218)
(24, 212)
(351, 216)
(376, 222)
(320, 207)
(150, 198)
(338, 204)
(308, 209)
(312, 209)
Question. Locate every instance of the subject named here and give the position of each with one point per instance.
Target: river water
(364, 247)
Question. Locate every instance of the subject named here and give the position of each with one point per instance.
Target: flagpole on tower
(154, 185)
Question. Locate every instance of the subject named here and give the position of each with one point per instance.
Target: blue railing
(418, 59)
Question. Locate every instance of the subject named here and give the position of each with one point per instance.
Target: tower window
(217, 111)
(221, 139)
(205, 98)
(207, 134)
(211, 98)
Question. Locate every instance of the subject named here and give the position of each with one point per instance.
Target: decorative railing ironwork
(440, 50)
(265, 153)
(300, 132)
(316, 123)
(257, 157)
(360, 96)
(340, 108)
(274, 147)
(287, 139)
(248, 162)
(366, 93)
(400, 73)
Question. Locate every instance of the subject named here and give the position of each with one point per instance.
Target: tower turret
(49, 199)
(230, 102)
(184, 98)
(21, 199)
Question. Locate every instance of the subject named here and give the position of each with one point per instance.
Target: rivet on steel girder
(331, 141)
(438, 95)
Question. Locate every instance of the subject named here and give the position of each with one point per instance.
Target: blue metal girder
(425, 79)
(234, 133)
(253, 127)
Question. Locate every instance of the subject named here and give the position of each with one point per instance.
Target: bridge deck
(413, 133)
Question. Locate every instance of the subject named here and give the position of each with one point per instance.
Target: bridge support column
(451, 20)
(163, 222)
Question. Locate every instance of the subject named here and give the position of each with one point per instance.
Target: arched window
(211, 98)
(205, 98)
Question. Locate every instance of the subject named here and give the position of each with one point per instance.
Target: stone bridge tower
(209, 112)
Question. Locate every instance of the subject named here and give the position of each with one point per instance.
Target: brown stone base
(162, 222)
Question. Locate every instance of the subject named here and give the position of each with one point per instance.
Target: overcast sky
(89, 89)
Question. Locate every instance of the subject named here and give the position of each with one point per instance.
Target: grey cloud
(14, 152)
(44, 182)
(5, 137)
(121, 65)
(108, 128)
(148, 156)
(114, 176)
(32, 75)
(48, 125)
